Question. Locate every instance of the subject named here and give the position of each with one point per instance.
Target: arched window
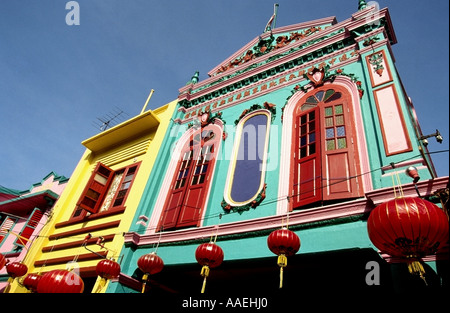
(326, 162)
(248, 161)
(185, 200)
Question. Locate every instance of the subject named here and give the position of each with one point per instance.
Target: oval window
(248, 161)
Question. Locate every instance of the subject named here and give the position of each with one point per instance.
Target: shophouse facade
(23, 214)
(309, 127)
(100, 200)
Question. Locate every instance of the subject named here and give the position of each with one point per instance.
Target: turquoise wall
(330, 237)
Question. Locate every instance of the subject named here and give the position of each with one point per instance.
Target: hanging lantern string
(159, 240)
(393, 186)
(216, 230)
(398, 185)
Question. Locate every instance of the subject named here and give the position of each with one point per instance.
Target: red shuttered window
(105, 189)
(6, 226)
(27, 231)
(186, 199)
(96, 188)
(326, 160)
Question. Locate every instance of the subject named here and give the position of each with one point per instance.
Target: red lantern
(283, 243)
(409, 228)
(31, 281)
(16, 269)
(209, 255)
(2, 261)
(149, 264)
(60, 281)
(107, 269)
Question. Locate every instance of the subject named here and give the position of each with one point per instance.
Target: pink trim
(390, 114)
(361, 18)
(425, 187)
(345, 209)
(403, 164)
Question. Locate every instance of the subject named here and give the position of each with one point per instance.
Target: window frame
(325, 182)
(4, 235)
(181, 195)
(236, 147)
(29, 224)
(80, 212)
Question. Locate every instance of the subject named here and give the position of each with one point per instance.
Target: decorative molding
(291, 74)
(279, 31)
(314, 216)
(264, 46)
(380, 72)
(266, 105)
(253, 204)
(341, 210)
(334, 38)
(426, 188)
(392, 123)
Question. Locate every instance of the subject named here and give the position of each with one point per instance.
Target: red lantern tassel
(204, 273)
(144, 282)
(101, 285)
(415, 267)
(282, 262)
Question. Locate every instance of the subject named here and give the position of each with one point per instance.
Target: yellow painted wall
(142, 147)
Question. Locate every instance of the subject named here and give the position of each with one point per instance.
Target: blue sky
(55, 79)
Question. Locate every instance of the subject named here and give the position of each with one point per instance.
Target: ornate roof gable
(286, 50)
(272, 41)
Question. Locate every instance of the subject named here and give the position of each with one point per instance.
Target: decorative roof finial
(362, 5)
(194, 78)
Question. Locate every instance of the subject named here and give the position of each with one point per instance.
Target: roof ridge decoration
(264, 46)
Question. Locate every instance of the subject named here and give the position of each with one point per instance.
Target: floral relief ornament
(318, 76)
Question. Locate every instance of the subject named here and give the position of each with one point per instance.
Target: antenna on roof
(111, 119)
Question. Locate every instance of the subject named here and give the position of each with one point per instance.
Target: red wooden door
(307, 165)
(186, 199)
(325, 160)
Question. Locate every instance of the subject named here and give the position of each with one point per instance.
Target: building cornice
(359, 208)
